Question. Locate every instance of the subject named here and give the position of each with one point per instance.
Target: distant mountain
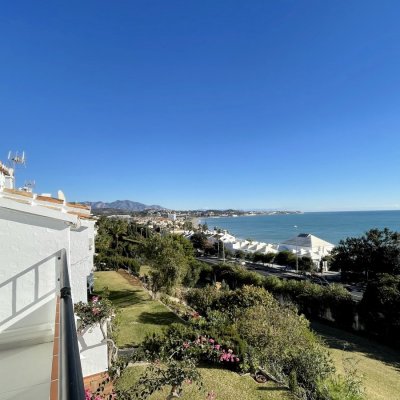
(126, 205)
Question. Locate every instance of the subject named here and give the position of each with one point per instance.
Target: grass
(380, 365)
(227, 385)
(144, 270)
(139, 315)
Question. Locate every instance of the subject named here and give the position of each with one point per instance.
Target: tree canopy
(377, 251)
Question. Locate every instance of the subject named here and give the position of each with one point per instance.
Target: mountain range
(126, 205)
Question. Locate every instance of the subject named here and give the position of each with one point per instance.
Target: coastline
(331, 226)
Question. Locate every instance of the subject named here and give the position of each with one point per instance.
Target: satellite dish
(60, 195)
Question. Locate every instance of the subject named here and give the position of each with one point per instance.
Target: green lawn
(379, 364)
(139, 315)
(227, 385)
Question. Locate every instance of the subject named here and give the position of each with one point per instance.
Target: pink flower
(211, 340)
(217, 347)
(211, 395)
(95, 299)
(237, 359)
(96, 310)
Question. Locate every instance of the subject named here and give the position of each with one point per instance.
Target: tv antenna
(15, 159)
(29, 185)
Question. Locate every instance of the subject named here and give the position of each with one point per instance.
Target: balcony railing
(70, 379)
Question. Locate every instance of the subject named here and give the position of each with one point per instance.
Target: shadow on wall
(24, 296)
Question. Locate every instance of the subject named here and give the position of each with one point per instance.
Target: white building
(41, 237)
(308, 245)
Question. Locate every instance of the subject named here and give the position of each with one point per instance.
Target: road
(284, 273)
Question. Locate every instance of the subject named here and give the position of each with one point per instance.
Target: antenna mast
(15, 159)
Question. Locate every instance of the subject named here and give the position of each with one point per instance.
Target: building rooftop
(307, 240)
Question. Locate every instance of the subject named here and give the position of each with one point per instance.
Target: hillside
(125, 205)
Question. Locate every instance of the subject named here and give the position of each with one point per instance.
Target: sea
(329, 226)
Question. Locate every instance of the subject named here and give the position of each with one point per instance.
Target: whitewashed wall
(28, 256)
(92, 347)
(93, 350)
(81, 259)
(29, 265)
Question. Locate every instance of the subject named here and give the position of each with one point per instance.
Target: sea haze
(330, 226)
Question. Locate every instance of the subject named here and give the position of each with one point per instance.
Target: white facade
(308, 245)
(33, 231)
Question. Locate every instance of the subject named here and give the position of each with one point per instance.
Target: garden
(139, 316)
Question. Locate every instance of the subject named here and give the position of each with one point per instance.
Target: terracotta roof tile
(18, 192)
(49, 199)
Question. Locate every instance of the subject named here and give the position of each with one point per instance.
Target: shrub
(232, 302)
(285, 258)
(280, 341)
(193, 273)
(380, 307)
(114, 262)
(93, 312)
(202, 299)
(346, 387)
(189, 341)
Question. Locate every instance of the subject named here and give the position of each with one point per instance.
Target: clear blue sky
(200, 104)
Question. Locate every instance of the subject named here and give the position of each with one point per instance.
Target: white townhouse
(309, 245)
(46, 256)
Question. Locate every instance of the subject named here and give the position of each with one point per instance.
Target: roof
(307, 240)
(43, 205)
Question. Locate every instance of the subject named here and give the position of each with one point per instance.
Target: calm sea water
(330, 226)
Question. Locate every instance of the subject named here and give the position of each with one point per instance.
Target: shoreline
(329, 226)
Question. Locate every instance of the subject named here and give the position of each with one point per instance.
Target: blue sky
(205, 104)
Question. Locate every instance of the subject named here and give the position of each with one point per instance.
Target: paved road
(284, 273)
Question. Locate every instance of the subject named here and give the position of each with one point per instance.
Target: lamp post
(297, 255)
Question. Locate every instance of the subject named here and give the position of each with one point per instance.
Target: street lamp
(297, 255)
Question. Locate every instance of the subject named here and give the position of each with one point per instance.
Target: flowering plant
(95, 311)
(207, 349)
(90, 396)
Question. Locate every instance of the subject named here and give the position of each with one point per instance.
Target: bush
(189, 341)
(202, 299)
(233, 302)
(96, 311)
(346, 387)
(193, 273)
(115, 262)
(285, 258)
(280, 341)
(312, 299)
(380, 307)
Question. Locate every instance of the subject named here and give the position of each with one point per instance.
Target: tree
(199, 241)
(188, 225)
(240, 254)
(380, 307)
(169, 258)
(377, 251)
(306, 264)
(285, 258)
